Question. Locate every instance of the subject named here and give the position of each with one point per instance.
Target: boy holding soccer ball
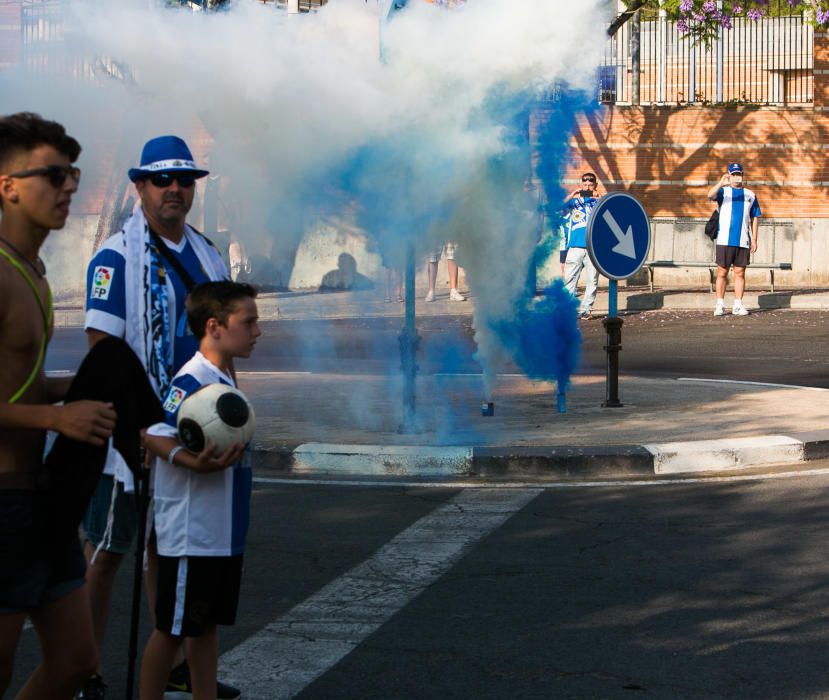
(201, 501)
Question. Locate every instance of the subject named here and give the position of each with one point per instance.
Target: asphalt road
(672, 590)
(785, 346)
(690, 590)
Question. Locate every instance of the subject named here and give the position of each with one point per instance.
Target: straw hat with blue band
(166, 154)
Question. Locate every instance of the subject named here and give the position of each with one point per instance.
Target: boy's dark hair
(214, 300)
(25, 131)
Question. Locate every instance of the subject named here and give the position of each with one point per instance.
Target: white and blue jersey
(197, 514)
(738, 206)
(579, 209)
(106, 304)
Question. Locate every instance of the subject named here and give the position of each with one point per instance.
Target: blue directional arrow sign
(618, 235)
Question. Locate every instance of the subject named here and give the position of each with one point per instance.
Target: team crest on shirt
(101, 282)
(174, 399)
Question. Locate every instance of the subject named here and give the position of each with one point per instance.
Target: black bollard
(613, 326)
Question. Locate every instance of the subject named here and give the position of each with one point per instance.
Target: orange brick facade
(668, 156)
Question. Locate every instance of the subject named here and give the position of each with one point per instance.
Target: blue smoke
(544, 337)
(505, 200)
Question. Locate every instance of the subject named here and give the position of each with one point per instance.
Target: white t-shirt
(198, 514)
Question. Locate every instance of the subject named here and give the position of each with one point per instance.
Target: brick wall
(669, 156)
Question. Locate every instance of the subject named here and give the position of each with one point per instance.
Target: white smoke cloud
(288, 99)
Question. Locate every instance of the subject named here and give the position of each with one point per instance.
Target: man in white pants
(579, 205)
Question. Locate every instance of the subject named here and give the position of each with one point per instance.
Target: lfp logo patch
(174, 399)
(101, 282)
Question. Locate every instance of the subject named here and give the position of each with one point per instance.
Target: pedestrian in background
(579, 206)
(737, 235)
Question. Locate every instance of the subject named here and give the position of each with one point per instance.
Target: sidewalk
(329, 424)
(347, 425)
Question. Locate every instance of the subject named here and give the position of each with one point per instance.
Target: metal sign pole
(618, 240)
(409, 342)
(613, 327)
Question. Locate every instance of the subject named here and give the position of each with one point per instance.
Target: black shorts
(195, 593)
(728, 255)
(36, 568)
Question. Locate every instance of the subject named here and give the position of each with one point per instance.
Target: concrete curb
(550, 462)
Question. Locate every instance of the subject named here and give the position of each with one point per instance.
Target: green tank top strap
(45, 312)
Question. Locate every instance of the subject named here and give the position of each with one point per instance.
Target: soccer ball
(218, 413)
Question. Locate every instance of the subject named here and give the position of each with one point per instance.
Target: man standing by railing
(737, 235)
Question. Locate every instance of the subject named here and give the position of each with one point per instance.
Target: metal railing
(768, 62)
(37, 28)
(304, 5)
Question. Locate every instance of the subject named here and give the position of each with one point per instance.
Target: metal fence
(766, 62)
(304, 5)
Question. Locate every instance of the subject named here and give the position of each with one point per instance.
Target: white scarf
(138, 289)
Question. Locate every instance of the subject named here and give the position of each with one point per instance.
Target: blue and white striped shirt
(738, 206)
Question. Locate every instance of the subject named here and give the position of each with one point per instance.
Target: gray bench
(712, 268)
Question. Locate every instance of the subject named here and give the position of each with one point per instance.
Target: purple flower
(685, 5)
(682, 25)
(726, 22)
(709, 6)
(822, 16)
(754, 14)
(698, 16)
(737, 9)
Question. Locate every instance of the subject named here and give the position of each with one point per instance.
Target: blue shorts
(36, 567)
(124, 517)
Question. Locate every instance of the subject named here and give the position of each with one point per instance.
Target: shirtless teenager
(38, 579)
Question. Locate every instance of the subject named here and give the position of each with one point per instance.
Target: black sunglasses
(162, 180)
(56, 174)
(588, 179)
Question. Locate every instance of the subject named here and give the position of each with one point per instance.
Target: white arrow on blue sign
(618, 235)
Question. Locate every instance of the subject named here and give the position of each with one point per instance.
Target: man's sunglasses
(56, 174)
(588, 179)
(163, 180)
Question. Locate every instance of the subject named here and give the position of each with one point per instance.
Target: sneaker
(586, 315)
(719, 310)
(739, 310)
(179, 688)
(430, 296)
(455, 295)
(93, 689)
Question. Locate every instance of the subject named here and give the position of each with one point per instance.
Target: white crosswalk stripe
(288, 654)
